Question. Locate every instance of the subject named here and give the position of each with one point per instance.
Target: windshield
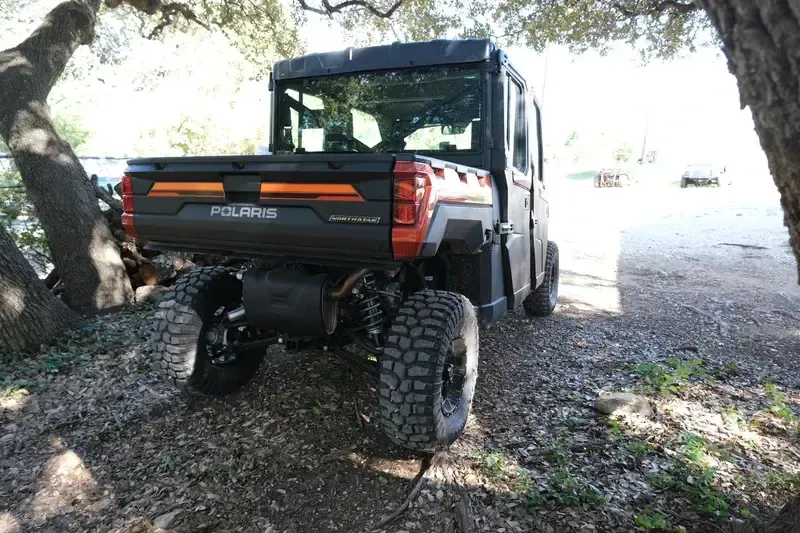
(430, 110)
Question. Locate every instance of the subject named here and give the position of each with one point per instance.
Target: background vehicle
(614, 177)
(704, 174)
(405, 191)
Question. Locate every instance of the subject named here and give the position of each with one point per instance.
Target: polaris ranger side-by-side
(404, 205)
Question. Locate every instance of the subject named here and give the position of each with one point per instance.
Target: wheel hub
(454, 374)
(219, 351)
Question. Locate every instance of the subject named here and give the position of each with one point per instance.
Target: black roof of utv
(390, 56)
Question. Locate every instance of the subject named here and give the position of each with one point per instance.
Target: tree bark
(84, 251)
(761, 41)
(29, 314)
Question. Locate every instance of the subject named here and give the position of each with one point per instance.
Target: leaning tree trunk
(84, 251)
(761, 42)
(29, 314)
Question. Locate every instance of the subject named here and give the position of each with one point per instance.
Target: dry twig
(423, 476)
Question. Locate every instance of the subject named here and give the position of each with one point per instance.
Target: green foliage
(492, 463)
(196, 135)
(735, 416)
(651, 28)
(639, 450)
(732, 368)
(623, 153)
(70, 348)
(70, 128)
(779, 406)
(747, 514)
(571, 138)
(558, 453)
(783, 481)
(18, 218)
(672, 376)
(614, 429)
(562, 490)
(694, 447)
(649, 520)
(695, 483)
(690, 476)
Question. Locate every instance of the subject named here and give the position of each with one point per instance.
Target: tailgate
(304, 206)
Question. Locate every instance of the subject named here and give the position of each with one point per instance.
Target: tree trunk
(29, 314)
(760, 41)
(84, 251)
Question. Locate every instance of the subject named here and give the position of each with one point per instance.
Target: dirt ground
(687, 297)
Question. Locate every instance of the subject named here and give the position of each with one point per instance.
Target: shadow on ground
(93, 439)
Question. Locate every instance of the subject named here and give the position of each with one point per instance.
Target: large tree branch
(329, 9)
(169, 12)
(678, 7)
(38, 61)
(649, 8)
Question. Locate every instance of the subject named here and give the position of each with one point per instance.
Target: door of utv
(540, 215)
(518, 177)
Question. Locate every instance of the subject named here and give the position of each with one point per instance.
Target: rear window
(411, 110)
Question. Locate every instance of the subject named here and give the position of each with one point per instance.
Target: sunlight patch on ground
(9, 524)
(588, 281)
(13, 400)
(397, 468)
(732, 444)
(65, 480)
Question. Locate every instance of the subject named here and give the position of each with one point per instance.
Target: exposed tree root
(423, 476)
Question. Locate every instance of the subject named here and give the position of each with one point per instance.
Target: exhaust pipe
(236, 315)
(347, 285)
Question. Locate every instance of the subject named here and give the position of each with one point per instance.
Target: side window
(536, 146)
(516, 135)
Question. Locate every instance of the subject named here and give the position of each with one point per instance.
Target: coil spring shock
(370, 309)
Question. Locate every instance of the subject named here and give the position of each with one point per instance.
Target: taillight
(127, 186)
(411, 211)
(405, 213)
(409, 189)
(127, 203)
(409, 192)
(127, 206)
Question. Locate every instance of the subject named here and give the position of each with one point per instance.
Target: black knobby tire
(684, 183)
(182, 321)
(434, 336)
(542, 301)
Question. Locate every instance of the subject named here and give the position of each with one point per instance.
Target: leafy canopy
(656, 28)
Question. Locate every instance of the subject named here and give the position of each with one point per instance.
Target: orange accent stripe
(314, 198)
(205, 189)
(334, 192)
